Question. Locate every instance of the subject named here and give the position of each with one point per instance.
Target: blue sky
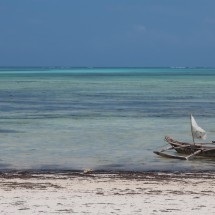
(134, 33)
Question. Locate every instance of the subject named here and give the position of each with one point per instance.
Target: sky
(107, 33)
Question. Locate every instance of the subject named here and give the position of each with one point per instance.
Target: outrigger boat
(189, 150)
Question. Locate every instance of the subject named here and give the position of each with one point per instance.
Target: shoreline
(111, 174)
(101, 171)
(103, 193)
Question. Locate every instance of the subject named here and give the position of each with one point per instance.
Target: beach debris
(87, 171)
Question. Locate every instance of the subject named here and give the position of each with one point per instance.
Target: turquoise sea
(102, 118)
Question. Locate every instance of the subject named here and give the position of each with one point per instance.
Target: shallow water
(104, 119)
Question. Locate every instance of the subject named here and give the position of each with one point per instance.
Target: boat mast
(191, 128)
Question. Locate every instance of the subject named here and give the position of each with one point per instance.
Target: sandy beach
(102, 193)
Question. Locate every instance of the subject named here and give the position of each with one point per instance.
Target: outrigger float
(189, 150)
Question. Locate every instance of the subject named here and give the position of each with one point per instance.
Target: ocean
(106, 119)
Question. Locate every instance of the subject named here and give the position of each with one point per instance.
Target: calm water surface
(104, 119)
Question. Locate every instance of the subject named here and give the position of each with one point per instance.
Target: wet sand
(104, 193)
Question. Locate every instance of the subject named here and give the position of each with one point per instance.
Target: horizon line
(107, 67)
